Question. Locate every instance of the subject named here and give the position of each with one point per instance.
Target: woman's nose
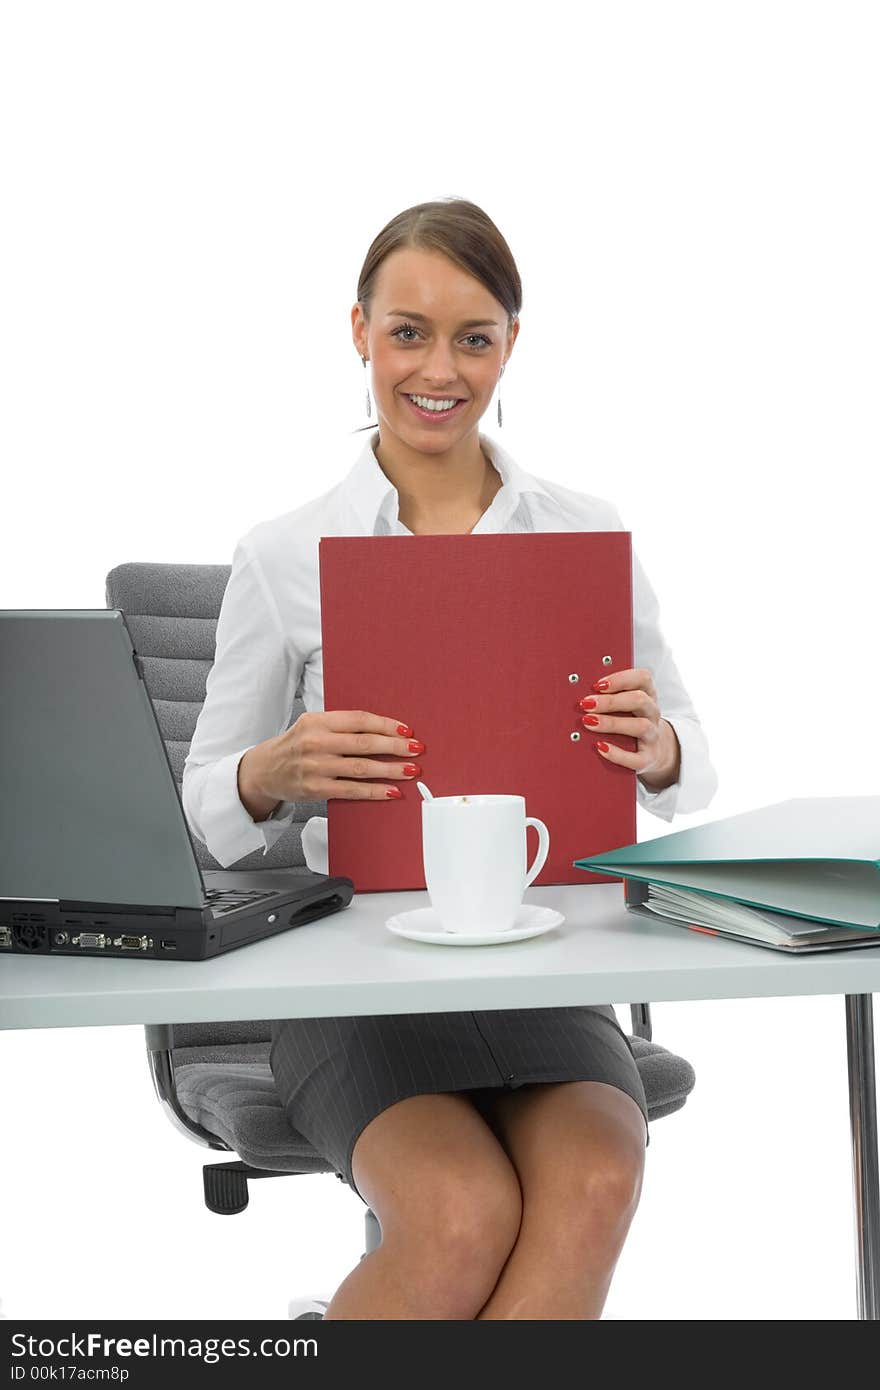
(439, 367)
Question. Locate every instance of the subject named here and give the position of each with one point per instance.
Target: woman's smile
(433, 414)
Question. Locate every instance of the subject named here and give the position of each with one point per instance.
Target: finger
(635, 727)
(368, 767)
(612, 754)
(350, 721)
(363, 744)
(638, 679)
(639, 701)
(340, 790)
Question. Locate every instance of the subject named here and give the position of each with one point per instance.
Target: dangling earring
(364, 360)
(500, 375)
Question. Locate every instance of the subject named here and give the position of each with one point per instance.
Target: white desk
(349, 964)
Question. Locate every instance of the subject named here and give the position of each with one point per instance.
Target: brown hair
(459, 230)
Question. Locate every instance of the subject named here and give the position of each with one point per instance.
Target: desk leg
(863, 1126)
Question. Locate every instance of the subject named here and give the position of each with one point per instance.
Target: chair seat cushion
(667, 1078)
(235, 1098)
(230, 1091)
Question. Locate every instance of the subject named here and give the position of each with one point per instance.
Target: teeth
(427, 404)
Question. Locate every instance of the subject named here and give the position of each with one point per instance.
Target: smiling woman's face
(435, 331)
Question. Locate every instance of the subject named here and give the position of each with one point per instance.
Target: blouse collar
(373, 495)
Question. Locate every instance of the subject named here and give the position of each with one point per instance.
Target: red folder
(475, 641)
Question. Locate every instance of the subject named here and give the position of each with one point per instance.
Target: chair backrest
(172, 613)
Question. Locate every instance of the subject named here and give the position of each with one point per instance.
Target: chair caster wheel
(309, 1309)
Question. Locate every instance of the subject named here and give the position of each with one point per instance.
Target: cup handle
(543, 849)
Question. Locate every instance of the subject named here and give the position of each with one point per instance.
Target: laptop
(96, 855)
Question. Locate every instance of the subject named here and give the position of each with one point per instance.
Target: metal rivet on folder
(272, 917)
(575, 736)
(574, 677)
(606, 660)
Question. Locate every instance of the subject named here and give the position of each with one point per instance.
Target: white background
(690, 192)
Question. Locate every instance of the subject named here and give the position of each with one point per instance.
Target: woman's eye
(408, 328)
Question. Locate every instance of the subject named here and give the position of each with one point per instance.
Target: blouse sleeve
(697, 779)
(249, 697)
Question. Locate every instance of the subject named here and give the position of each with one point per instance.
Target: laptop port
(91, 940)
(29, 935)
(5, 937)
(169, 945)
(132, 943)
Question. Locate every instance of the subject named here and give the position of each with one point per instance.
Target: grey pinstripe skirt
(334, 1075)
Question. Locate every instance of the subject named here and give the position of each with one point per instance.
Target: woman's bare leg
(448, 1201)
(579, 1152)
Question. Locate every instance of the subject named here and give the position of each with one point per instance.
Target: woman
(499, 1194)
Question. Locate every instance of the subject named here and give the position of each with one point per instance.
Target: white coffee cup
(474, 852)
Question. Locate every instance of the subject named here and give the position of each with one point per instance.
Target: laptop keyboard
(221, 900)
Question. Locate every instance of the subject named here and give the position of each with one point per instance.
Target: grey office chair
(214, 1079)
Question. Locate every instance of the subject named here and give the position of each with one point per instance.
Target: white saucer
(423, 924)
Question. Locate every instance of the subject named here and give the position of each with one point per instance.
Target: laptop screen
(89, 809)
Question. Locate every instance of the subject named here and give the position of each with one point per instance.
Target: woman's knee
(457, 1238)
(439, 1182)
(472, 1211)
(613, 1181)
(584, 1207)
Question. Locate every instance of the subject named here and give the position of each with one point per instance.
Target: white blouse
(268, 648)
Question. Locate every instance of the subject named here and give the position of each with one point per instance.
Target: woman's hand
(325, 754)
(626, 703)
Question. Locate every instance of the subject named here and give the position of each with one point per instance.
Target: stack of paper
(761, 926)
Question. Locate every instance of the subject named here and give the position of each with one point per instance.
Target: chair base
(372, 1232)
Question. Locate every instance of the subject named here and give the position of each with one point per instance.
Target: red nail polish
(415, 746)
(603, 746)
(404, 730)
(393, 791)
(588, 702)
(412, 770)
(600, 685)
(590, 719)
